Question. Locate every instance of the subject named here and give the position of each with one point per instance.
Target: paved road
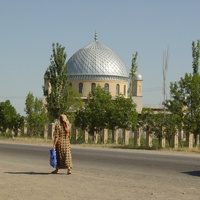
(99, 174)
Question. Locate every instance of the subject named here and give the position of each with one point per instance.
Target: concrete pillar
(105, 136)
(51, 130)
(137, 135)
(77, 133)
(189, 139)
(149, 142)
(18, 132)
(13, 133)
(46, 131)
(24, 130)
(86, 136)
(126, 137)
(180, 134)
(162, 138)
(116, 136)
(113, 136)
(197, 144)
(95, 137)
(175, 140)
(162, 141)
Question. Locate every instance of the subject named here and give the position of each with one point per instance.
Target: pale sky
(29, 27)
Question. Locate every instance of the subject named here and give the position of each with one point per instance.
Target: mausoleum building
(96, 64)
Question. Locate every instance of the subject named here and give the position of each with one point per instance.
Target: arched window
(124, 90)
(70, 84)
(117, 89)
(81, 88)
(93, 85)
(106, 87)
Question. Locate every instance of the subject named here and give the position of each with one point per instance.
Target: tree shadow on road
(192, 173)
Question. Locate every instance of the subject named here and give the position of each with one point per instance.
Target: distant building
(96, 64)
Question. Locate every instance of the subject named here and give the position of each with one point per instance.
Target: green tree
(195, 55)
(18, 123)
(122, 113)
(8, 113)
(82, 118)
(93, 116)
(171, 127)
(101, 111)
(175, 113)
(146, 120)
(134, 67)
(159, 121)
(62, 98)
(9, 118)
(36, 115)
(185, 103)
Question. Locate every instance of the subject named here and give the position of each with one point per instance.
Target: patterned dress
(63, 149)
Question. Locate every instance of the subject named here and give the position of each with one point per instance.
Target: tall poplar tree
(61, 98)
(134, 67)
(195, 55)
(185, 102)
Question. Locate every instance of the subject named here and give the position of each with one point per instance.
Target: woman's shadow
(192, 173)
(29, 173)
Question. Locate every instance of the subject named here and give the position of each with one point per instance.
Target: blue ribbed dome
(96, 61)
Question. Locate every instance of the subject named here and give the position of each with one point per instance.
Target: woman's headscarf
(65, 121)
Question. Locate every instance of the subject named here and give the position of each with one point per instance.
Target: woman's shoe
(69, 171)
(55, 172)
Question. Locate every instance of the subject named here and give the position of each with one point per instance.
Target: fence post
(180, 134)
(116, 136)
(189, 139)
(95, 137)
(149, 140)
(45, 131)
(137, 135)
(24, 131)
(105, 136)
(197, 144)
(51, 130)
(86, 136)
(162, 138)
(77, 133)
(126, 136)
(175, 140)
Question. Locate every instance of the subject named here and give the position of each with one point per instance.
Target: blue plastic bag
(53, 158)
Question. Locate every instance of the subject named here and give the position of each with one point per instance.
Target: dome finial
(95, 36)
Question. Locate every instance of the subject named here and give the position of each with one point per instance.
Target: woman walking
(62, 145)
